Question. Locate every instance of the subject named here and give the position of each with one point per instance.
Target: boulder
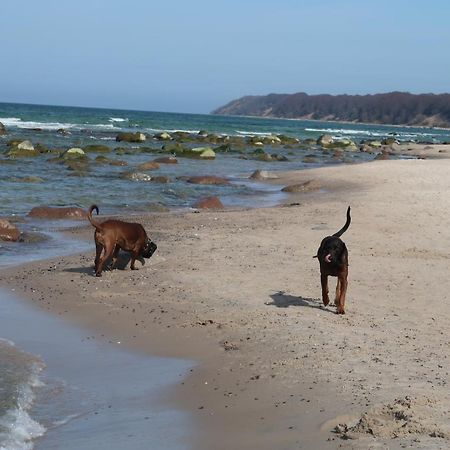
(21, 149)
(166, 160)
(8, 231)
(25, 145)
(130, 137)
(325, 140)
(160, 179)
(74, 153)
(262, 175)
(271, 140)
(2, 129)
(163, 136)
(96, 148)
(208, 203)
(149, 165)
(136, 176)
(202, 152)
(48, 212)
(207, 179)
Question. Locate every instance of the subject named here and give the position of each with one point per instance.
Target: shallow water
(29, 182)
(91, 394)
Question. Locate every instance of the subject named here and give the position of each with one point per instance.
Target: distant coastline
(393, 108)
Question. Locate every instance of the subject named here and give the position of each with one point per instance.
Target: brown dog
(112, 235)
(333, 260)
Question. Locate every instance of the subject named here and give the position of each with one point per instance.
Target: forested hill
(396, 108)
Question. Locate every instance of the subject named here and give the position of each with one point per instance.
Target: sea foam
(19, 373)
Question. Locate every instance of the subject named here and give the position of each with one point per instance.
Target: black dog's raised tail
(345, 227)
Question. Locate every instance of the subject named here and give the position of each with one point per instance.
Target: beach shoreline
(239, 292)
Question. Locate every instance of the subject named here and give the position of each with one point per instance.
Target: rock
(325, 140)
(207, 179)
(149, 165)
(307, 186)
(166, 160)
(262, 175)
(48, 212)
(136, 176)
(203, 152)
(25, 145)
(208, 203)
(21, 149)
(2, 129)
(94, 148)
(130, 137)
(32, 179)
(8, 231)
(163, 136)
(33, 238)
(117, 162)
(271, 139)
(160, 179)
(74, 153)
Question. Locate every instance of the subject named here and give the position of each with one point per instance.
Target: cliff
(396, 108)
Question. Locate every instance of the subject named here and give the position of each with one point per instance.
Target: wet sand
(239, 292)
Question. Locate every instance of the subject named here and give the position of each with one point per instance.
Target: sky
(194, 56)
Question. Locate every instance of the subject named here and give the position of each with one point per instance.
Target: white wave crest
(19, 123)
(118, 119)
(253, 133)
(18, 429)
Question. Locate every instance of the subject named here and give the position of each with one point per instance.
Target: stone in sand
(49, 212)
(208, 203)
(8, 231)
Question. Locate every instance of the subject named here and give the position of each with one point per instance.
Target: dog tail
(345, 227)
(89, 215)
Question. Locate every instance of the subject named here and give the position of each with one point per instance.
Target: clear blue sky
(193, 56)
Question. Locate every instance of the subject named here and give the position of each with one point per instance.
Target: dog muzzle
(148, 250)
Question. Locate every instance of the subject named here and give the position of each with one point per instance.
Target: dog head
(331, 250)
(148, 249)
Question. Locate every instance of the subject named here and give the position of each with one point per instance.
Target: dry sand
(239, 292)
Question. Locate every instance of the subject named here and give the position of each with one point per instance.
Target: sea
(53, 389)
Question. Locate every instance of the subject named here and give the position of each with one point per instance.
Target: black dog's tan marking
(112, 235)
(333, 260)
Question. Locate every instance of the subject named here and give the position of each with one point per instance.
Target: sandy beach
(238, 291)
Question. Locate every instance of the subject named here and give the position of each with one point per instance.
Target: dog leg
(98, 252)
(108, 251)
(341, 303)
(134, 256)
(338, 292)
(114, 257)
(324, 282)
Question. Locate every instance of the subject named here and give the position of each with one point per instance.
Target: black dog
(333, 260)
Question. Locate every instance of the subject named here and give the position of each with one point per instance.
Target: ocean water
(28, 182)
(62, 388)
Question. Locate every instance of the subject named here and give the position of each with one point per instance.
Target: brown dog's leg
(98, 252)
(134, 256)
(341, 303)
(114, 256)
(324, 282)
(108, 251)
